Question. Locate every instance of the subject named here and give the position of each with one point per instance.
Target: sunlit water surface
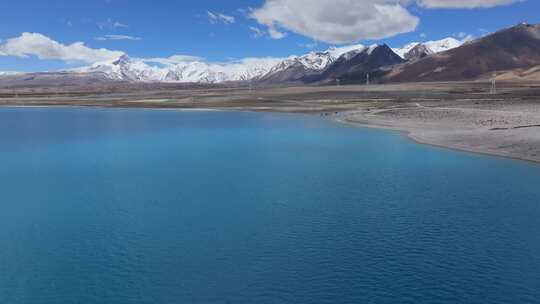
(146, 206)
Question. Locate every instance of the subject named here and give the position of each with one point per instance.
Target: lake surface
(147, 206)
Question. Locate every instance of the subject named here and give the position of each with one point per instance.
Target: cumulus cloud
(275, 34)
(43, 47)
(346, 21)
(464, 3)
(118, 37)
(220, 18)
(338, 21)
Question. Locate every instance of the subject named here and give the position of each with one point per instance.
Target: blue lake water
(147, 206)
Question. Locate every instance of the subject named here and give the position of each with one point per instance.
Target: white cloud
(117, 37)
(220, 18)
(464, 3)
(110, 24)
(338, 21)
(275, 34)
(345, 21)
(43, 47)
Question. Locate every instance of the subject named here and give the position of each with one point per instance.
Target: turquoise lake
(148, 206)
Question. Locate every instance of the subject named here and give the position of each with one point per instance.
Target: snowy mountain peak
(122, 60)
(372, 48)
(443, 44)
(367, 50)
(431, 47)
(316, 61)
(336, 52)
(402, 51)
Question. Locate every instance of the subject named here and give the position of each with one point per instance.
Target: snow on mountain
(198, 71)
(436, 46)
(444, 44)
(355, 66)
(203, 72)
(133, 69)
(316, 61)
(125, 68)
(129, 69)
(336, 52)
(402, 51)
(311, 61)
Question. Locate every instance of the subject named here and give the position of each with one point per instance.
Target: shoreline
(415, 136)
(460, 116)
(339, 117)
(409, 136)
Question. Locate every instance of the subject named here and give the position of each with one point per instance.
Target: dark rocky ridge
(418, 52)
(513, 48)
(354, 68)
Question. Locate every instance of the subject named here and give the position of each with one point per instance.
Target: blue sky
(183, 27)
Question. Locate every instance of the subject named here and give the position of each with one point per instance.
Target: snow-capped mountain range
(132, 69)
(142, 70)
(465, 60)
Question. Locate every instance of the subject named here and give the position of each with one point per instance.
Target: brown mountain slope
(532, 74)
(513, 48)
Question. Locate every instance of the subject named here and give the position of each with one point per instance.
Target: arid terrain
(460, 115)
